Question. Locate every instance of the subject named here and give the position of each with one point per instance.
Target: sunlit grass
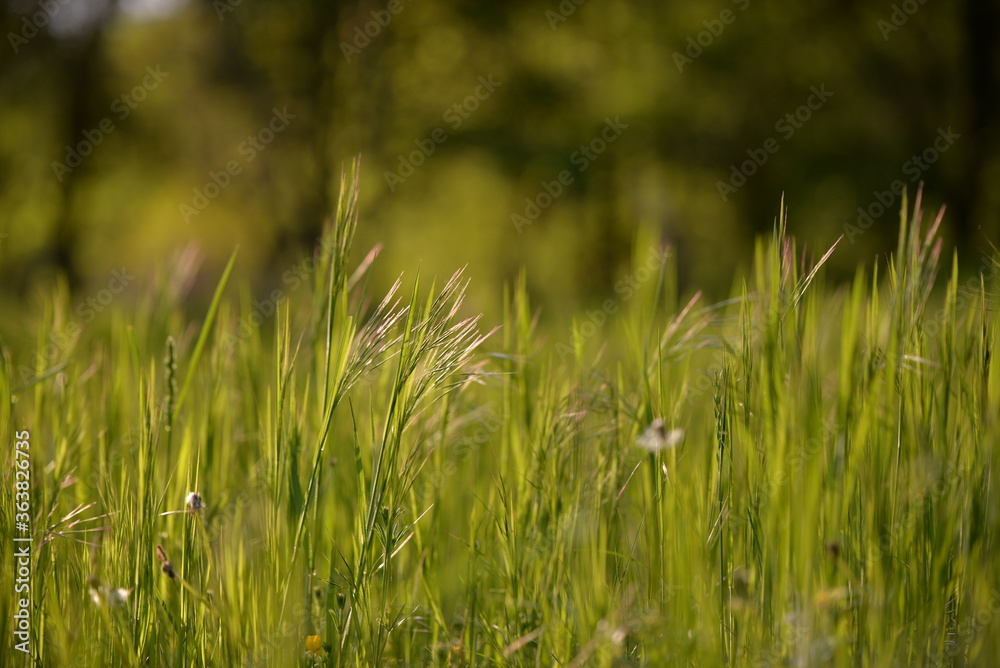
(801, 475)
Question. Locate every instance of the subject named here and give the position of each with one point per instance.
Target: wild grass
(802, 475)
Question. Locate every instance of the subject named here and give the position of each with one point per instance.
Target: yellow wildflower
(314, 645)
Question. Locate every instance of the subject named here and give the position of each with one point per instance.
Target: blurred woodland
(135, 128)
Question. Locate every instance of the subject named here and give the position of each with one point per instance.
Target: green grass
(418, 488)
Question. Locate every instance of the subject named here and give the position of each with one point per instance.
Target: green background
(898, 73)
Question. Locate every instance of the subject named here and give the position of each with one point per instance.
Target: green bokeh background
(563, 69)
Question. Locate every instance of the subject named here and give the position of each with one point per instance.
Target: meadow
(800, 475)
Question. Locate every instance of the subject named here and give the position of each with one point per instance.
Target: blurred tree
(700, 88)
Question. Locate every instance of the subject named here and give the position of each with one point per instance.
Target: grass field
(803, 475)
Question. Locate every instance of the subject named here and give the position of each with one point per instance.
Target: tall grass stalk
(802, 474)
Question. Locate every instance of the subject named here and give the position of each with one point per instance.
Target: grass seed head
(166, 566)
(194, 502)
(657, 437)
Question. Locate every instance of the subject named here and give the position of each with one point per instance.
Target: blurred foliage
(898, 73)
